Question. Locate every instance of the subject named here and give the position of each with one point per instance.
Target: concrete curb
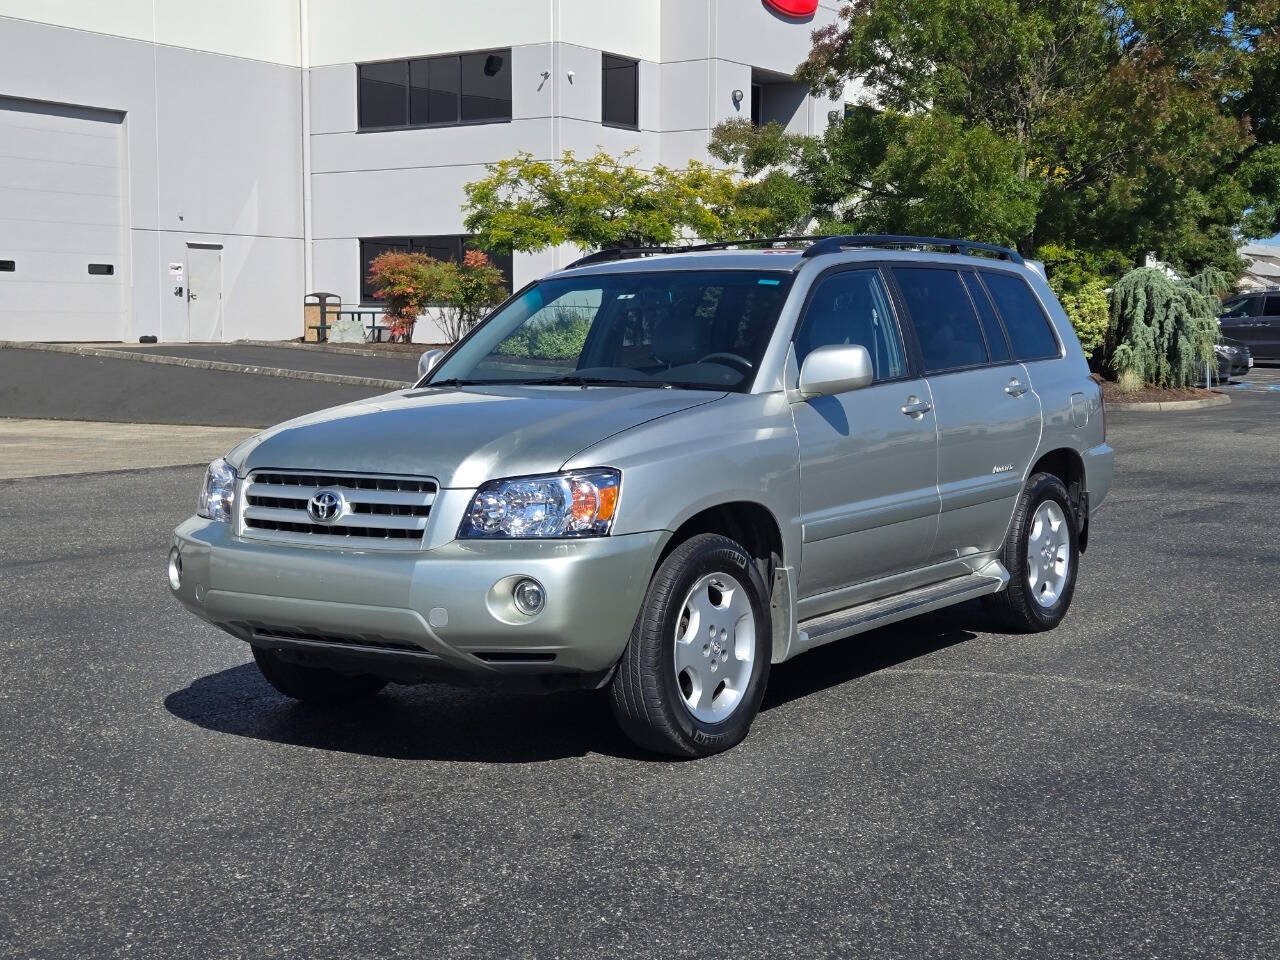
(139, 357)
(344, 351)
(1172, 406)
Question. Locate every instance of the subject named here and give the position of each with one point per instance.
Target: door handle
(915, 408)
(1016, 388)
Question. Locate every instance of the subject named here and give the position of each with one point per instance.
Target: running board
(877, 613)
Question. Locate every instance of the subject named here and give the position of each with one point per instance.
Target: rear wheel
(695, 668)
(1040, 552)
(313, 684)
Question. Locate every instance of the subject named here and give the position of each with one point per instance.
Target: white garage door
(62, 229)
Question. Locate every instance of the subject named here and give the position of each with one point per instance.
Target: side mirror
(836, 369)
(427, 362)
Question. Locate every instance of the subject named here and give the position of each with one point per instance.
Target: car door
(1265, 332)
(868, 457)
(988, 417)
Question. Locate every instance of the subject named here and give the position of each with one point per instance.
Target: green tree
(1161, 331)
(528, 204)
(1086, 125)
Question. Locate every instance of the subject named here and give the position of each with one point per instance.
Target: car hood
(462, 437)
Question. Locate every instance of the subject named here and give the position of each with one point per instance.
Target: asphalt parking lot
(930, 790)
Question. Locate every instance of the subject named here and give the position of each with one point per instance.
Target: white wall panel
(347, 32)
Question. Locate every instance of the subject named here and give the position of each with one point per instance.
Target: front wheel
(695, 668)
(1040, 552)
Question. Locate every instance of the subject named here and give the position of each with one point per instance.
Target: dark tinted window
(471, 88)
(620, 98)
(447, 247)
(1272, 308)
(997, 345)
(486, 86)
(945, 323)
(1028, 327)
(434, 88)
(384, 94)
(853, 307)
(1242, 307)
(102, 269)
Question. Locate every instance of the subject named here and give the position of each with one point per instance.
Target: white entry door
(204, 293)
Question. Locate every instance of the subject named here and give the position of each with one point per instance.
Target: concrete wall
(200, 167)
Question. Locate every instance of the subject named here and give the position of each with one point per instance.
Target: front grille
(389, 513)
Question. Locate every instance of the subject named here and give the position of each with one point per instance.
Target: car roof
(783, 258)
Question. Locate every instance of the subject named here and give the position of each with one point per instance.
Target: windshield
(700, 329)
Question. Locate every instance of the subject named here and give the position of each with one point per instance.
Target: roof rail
(823, 245)
(629, 253)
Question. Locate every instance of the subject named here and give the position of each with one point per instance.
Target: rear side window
(1273, 307)
(853, 307)
(945, 323)
(997, 346)
(1029, 331)
(1241, 307)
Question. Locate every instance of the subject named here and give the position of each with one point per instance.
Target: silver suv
(664, 472)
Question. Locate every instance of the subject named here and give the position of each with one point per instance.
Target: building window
(620, 96)
(446, 247)
(435, 91)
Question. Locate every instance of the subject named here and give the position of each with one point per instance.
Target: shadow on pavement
(438, 722)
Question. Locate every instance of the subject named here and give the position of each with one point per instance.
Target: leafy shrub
(1160, 330)
(1090, 314)
(410, 283)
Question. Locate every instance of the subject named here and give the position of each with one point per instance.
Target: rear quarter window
(1030, 335)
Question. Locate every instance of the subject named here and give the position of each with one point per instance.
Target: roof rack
(817, 246)
(823, 245)
(631, 253)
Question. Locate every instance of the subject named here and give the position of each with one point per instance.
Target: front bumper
(446, 609)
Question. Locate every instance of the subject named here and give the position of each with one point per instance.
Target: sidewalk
(42, 448)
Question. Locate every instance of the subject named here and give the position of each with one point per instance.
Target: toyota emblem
(325, 506)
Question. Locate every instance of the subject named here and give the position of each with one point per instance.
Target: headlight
(581, 503)
(218, 492)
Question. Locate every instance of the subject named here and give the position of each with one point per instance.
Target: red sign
(793, 8)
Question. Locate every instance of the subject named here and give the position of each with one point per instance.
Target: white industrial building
(190, 170)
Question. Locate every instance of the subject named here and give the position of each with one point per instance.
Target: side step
(877, 613)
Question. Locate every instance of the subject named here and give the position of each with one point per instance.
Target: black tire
(313, 684)
(1016, 607)
(645, 691)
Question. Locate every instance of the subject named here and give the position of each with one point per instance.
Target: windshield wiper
(576, 380)
(454, 382)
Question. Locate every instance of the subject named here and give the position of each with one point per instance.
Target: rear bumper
(1099, 468)
(447, 610)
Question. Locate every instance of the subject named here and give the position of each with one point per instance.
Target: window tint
(853, 307)
(434, 87)
(429, 91)
(384, 94)
(486, 86)
(620, 96)
(447, 247)
(1272, 308)
(1241, 307)
(997, 345)
(1028, 327)
(945, 323)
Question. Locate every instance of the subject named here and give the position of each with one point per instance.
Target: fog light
(529, 596)
(175, 568)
